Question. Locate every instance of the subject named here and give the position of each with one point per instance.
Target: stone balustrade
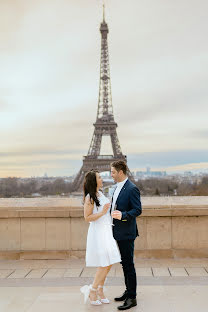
(54, 228)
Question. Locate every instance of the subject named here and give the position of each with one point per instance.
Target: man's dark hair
(119, 165)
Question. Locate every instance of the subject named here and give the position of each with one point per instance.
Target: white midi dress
(101, 248)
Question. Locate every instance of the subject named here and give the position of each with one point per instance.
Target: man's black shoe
(122, 297)
(128, 303)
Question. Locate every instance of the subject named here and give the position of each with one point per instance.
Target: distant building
(148, 169)
(148, 173)
(188, 173)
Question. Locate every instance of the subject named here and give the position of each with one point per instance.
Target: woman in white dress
(101, 249)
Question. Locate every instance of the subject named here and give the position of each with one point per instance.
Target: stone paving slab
(36, 273)
(54, 273)
(169, 262)
(4, 273)
(73, 272)
(160, 272)
(20, 273)
(197, 272)
(178, 272)
(18, 299)
(88, 272)
(65, 299)
(144, 272)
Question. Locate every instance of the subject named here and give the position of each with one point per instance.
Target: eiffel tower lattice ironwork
(105, 124)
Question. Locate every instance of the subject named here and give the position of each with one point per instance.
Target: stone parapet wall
(54, 228)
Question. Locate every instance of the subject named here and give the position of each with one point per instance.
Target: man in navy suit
(125, 207)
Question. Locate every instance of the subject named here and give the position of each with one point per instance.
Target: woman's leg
(99, 279)
(100, 290)
(108, 269)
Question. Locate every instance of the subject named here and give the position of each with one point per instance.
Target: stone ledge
(77, 212)
(80, 254)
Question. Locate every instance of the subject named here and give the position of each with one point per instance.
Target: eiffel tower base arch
(101, 163)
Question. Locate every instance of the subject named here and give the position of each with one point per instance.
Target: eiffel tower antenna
(103, 12)
(105, 124)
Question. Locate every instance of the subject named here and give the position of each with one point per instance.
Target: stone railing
(54, 228)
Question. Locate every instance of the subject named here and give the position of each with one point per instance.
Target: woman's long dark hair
(90, 186)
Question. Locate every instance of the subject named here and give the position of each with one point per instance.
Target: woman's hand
(105, 208)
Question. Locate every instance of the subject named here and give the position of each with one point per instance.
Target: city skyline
(50, 59)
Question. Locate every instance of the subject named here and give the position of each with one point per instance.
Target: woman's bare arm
(88, 210)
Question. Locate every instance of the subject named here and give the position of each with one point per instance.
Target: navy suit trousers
(126, 248)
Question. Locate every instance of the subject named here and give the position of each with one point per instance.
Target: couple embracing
(111, 233)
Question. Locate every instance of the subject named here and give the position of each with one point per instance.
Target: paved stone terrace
(171, 285)
(23, 270)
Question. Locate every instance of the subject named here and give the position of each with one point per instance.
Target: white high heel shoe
(86, 291)
(104, 300)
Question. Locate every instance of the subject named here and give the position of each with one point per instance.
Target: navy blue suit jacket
(128, 202)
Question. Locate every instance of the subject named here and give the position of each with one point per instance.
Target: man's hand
(116, 214)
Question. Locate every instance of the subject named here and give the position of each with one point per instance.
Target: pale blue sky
(49, 78)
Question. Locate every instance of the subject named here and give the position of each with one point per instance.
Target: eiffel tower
(105, 124)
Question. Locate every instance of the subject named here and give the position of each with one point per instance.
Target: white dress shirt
(117, 191)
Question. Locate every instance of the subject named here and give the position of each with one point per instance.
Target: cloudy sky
(49, 79)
